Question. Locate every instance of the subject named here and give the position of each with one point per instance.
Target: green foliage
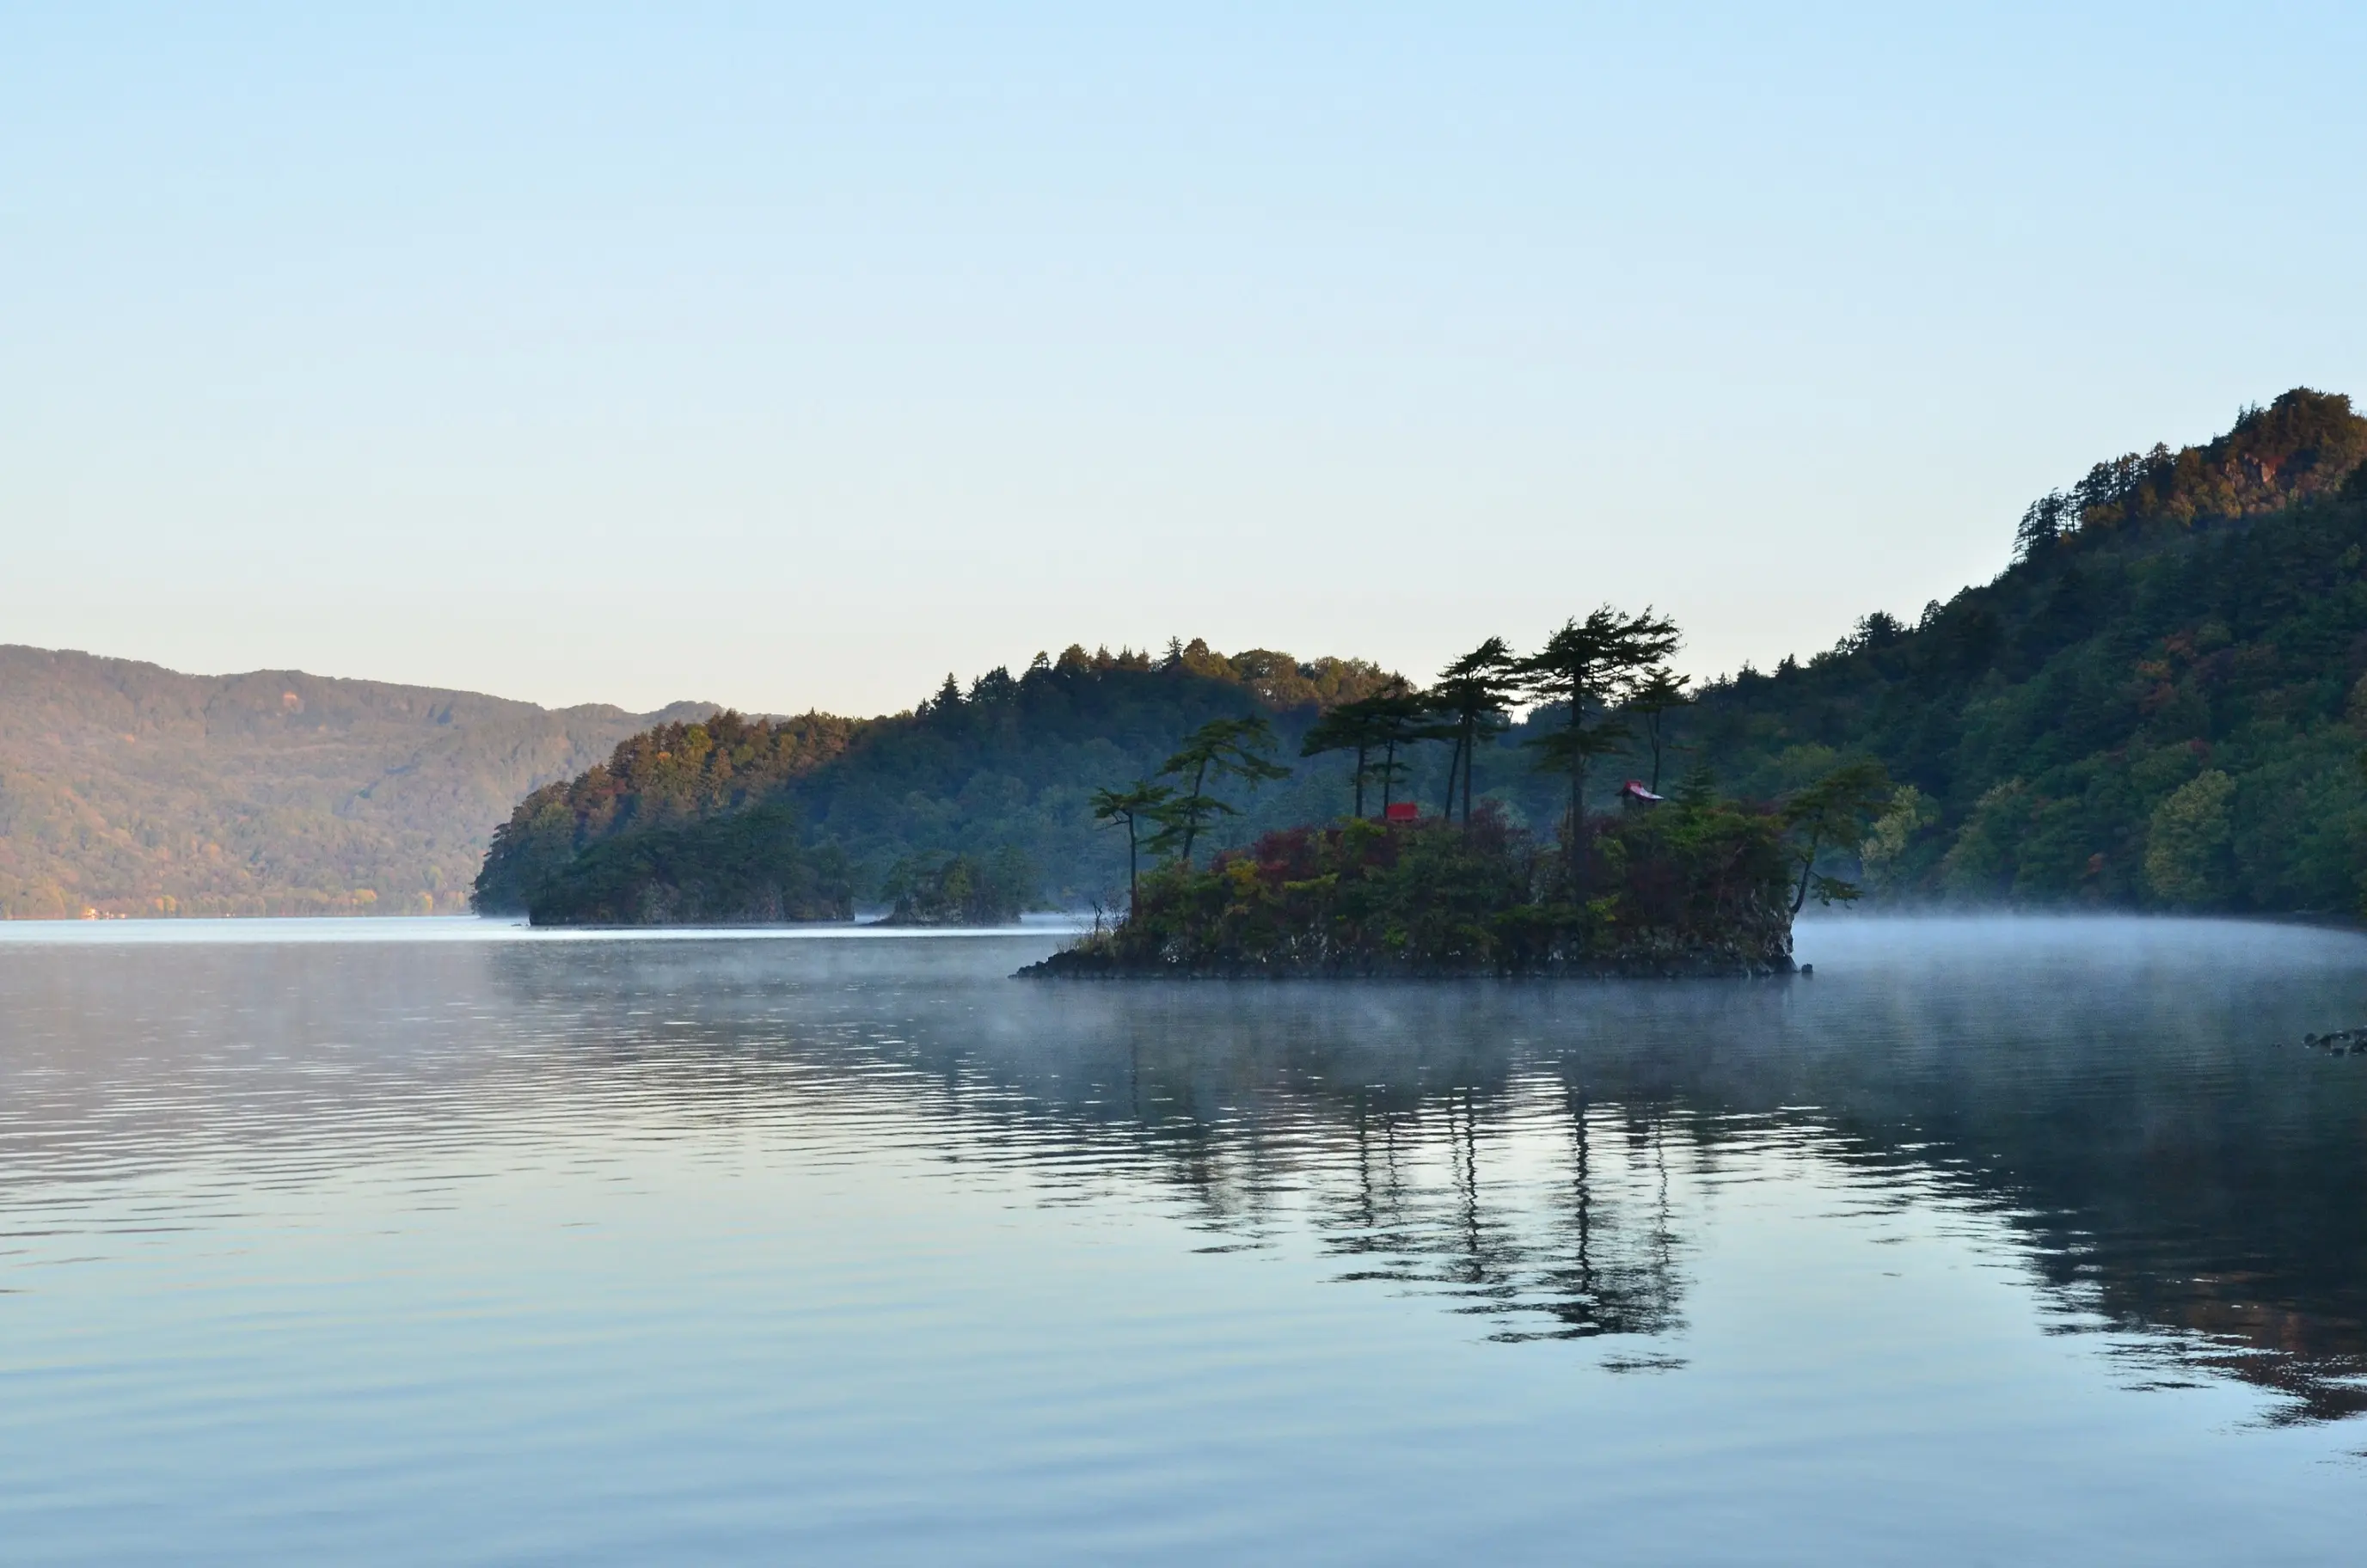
(957, 890)
(1403, 719)
(1012, 760)
(1474, 694)
(1698, 870)
(1393, 719)
(1220, 748)
(670, 776)
(751, 867)
(1586, 668)
(2192, 612)
(1834, 814)
(1351, 727)
(2186, 858)
(1685, 888)
(1142, 807)
(1658, 693)
(1884, 854)
(1277, 680)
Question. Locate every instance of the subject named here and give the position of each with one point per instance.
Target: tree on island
(1473, 693)
(1222, 746)
(1391, 719)
(1699, 885)
(1350, 727)
(1588, 666)
(1141, 807)
(1401, 718)
(933, 889)
(1834, 812)
(1657, 695)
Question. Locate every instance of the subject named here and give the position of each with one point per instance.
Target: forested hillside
(128, 789)
(2160, 704)
(1009, 764)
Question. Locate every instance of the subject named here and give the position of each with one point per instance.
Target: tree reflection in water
(2112, 1093)
(2120, 1104)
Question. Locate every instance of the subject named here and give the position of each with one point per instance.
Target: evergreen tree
(2045, 524)
(1585, 667)
(1401, 718)
(1657, 695)
(1474, 693)
(1143, 805)
(1222, 746)
(1350, 727)
(1834, 812)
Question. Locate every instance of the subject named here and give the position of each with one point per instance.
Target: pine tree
(1657, 695)
(1138, 808)
(1474, 693)
(1224, 747)
(1585, 667)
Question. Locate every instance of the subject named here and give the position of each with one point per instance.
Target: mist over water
(1997, 1238)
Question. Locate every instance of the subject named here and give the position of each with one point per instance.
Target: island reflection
(2124, 1096)
(2122, 1102)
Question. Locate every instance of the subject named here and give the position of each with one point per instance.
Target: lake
(1997, 1241)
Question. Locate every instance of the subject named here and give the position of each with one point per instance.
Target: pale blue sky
(791, 358)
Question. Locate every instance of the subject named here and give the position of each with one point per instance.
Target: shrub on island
(1693, 886)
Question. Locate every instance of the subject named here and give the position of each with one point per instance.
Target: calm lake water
(388, 1242)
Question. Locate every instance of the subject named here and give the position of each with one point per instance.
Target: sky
(791, 358)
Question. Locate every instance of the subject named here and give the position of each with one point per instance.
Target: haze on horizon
(793, 360)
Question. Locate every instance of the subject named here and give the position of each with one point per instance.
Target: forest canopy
(2160, 704)
(1008, 764)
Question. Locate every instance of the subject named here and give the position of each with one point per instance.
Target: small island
(958, 889)
(1688, 885)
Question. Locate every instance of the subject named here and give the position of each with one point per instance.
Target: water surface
(435, 1241)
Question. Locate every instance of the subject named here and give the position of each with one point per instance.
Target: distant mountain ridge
(130, 789)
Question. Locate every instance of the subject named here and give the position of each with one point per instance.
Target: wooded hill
(128, 789)
(1009, 765)
(2158, 704)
